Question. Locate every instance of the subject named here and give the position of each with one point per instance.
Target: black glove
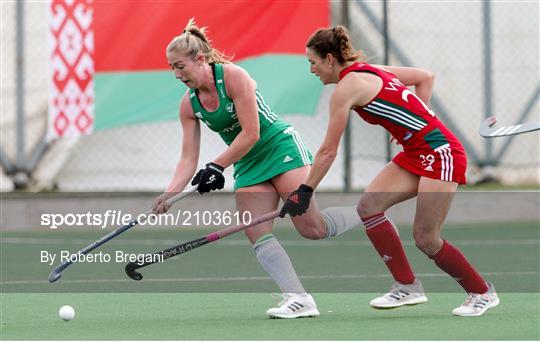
(298, 201)
(209, 178)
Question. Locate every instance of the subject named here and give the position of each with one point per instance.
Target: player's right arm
(187, 165)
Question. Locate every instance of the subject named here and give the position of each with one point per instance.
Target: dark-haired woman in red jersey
(430, 167)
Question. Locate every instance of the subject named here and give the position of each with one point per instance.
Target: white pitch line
(245, 243)
(256, 278)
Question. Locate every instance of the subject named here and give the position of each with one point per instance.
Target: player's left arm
(422, 80)
(341, 102)
(241, 89)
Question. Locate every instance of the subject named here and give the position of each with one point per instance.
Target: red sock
(386, 241)
(452, 261)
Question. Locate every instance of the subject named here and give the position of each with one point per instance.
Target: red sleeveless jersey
(395, 107)
(429, 148)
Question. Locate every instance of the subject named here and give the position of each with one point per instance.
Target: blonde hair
(193, 41)
(335, 41)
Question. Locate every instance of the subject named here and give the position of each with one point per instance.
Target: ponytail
(193, 41)
(335, 41)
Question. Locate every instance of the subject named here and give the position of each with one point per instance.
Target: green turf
(219, 292)
(241, 317)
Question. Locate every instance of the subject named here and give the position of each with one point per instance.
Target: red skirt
(434, 153)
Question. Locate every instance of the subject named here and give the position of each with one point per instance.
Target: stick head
(486, 129)
(54, 276)
(130, 271)
(491, 121)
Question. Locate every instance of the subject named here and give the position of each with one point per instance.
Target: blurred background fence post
(20, 155)
(347, 141)
(488, 88)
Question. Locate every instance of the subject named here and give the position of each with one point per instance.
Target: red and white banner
(71, 87)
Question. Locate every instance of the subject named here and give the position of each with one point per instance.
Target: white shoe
(476, 304)
(294, 305)
(399, 295)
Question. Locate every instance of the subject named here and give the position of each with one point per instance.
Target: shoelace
(476, 300)
(281, 296)
(395, 287)
(469, 299)
(481, 301)
(395, 291)
(288, 301)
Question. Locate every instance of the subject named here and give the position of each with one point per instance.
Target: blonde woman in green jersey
(269, 157)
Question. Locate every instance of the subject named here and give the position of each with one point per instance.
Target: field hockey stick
(57, 272)
(487, 131)
(190, 245)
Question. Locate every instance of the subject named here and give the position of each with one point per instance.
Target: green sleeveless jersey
(275, 135)
(224, 120)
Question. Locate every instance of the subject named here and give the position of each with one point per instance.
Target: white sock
(275, 261)
(338, 220)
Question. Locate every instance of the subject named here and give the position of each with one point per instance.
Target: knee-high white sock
(275, 261)
(340, 219)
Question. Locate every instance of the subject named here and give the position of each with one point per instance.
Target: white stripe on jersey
(264, 109)
(399, 113)
(406, 120)
(392, 117)
(264, 112)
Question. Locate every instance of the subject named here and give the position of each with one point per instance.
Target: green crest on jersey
(230, 107)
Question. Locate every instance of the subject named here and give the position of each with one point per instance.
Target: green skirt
(279, 149)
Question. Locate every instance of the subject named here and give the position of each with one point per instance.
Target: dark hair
(335, 41)
(193, 41)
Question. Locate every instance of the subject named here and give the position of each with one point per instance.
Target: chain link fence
(449, 38)
(485, 57)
